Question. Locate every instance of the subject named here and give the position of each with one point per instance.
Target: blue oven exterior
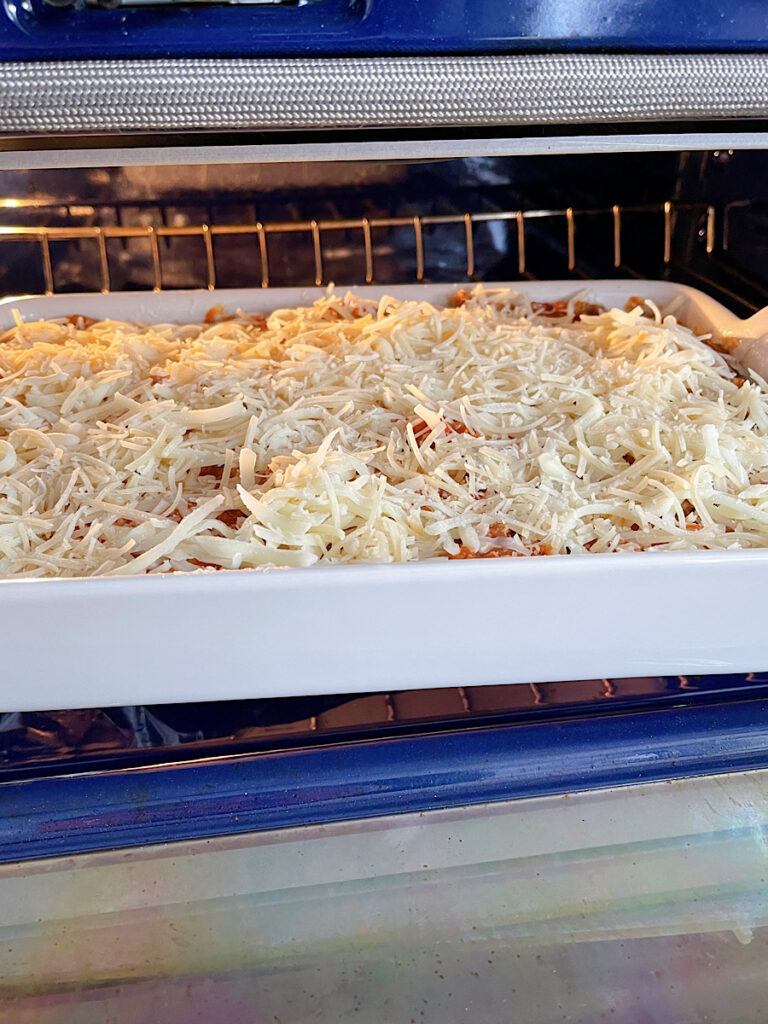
(36, 30)
(703, 728)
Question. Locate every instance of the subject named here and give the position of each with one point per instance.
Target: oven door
(646, 902)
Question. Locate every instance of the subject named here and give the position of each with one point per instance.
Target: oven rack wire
(313, 233)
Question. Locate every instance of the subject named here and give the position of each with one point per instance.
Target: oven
(542, 848)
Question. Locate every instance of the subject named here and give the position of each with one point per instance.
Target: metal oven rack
(361, 263)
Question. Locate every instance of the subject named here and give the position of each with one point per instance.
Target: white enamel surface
(226, 635)
(693, 306)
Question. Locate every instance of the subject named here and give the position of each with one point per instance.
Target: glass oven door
(647, 902)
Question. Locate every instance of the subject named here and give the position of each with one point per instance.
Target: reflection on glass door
(645, 904)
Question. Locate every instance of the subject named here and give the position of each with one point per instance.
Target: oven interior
(693, 217)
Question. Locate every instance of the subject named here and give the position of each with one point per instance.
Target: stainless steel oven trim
(198, 94)
(23, 153)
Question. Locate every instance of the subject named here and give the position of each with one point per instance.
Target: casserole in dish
(344, 628)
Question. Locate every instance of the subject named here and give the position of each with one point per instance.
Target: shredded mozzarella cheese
(357, 431)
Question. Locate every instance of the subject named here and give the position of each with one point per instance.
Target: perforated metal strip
(110, 95)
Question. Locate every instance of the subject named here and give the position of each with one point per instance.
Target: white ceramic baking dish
(339, 629)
